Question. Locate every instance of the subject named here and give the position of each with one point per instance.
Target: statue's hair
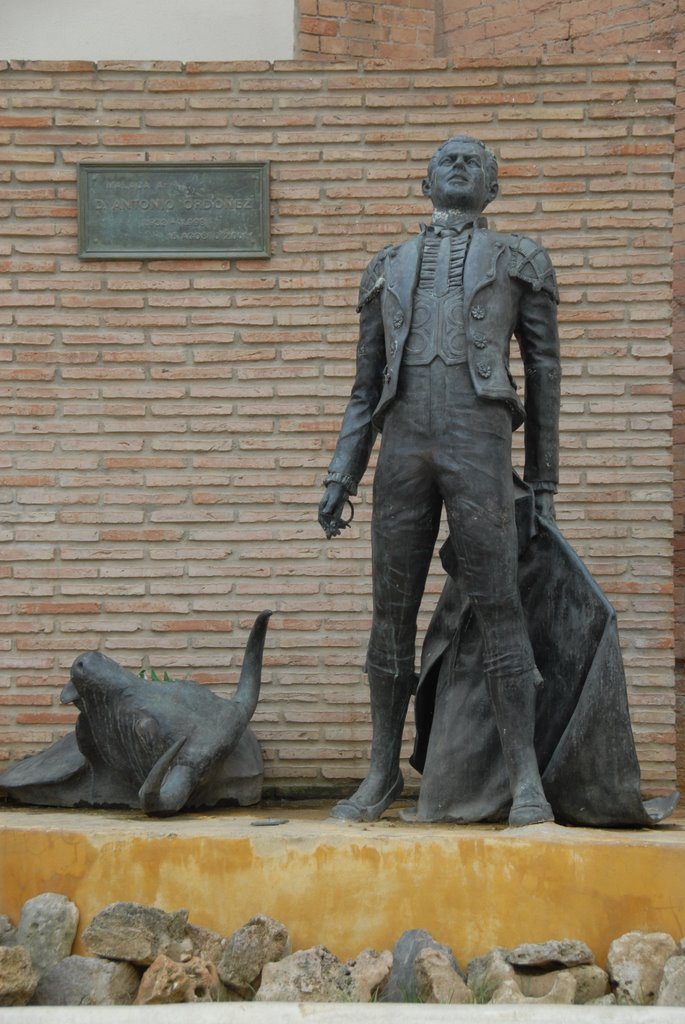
(489, 158)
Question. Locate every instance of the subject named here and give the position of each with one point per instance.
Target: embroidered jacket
(509, 291)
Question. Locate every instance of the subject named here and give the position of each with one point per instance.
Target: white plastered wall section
(179, 30)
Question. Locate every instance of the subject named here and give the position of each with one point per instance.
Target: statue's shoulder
(373, 278)
(530, 262)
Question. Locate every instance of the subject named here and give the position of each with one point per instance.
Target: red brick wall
(506, 29)
(679, 408)
(389, 30)
(588, 27)
(411, 29)
(166, 424)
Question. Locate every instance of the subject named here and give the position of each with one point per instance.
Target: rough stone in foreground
(487, 973)
(436, 979)
(635, 962)
(8, 933)
(370, 972)
(537, 984)
(87, 981)
(18, 979)
(562, 991)
(206, 944)
(47, 929)
(672, 988)
(261, 941)
(555, 953)
(166, 981)
(591, 982)
(133, 932)
(401, 987)
(310, 976)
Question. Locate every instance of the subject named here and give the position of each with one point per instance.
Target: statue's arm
(538, 336)
(357, 433)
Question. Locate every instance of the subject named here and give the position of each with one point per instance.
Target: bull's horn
(167, 786)
(247, 693)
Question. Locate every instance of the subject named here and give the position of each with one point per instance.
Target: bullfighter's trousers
(442, 445)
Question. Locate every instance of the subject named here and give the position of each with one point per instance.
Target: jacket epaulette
(530, 262)
(372, 280)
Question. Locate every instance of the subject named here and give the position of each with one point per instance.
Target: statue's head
(462, 176)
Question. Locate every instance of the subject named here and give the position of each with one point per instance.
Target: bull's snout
(69, 694)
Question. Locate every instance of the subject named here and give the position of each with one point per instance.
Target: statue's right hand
(331, 509)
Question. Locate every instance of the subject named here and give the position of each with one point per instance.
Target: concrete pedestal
(352, 886)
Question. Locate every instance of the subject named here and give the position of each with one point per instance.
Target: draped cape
(583, 735)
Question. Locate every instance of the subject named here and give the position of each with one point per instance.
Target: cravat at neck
(453, 225)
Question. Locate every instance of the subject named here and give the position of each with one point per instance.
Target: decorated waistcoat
(509, 289)
(437, 322)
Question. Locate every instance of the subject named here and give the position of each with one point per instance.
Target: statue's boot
(384, 782)
(514, 704)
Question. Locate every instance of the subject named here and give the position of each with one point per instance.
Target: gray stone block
(88, 981)
(47, 929)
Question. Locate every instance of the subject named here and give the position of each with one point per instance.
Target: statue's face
(458, 180)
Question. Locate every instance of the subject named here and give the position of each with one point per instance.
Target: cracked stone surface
(311, 975)
(47, 929)
(259, 942)
(635, 962)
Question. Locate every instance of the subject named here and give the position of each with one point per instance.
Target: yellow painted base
(352, 886)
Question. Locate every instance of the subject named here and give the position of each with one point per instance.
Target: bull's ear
(168, 785)
(147, 730)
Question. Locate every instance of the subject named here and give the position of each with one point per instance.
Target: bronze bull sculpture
(161, 747)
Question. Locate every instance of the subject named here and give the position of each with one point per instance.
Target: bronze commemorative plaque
(173, 211)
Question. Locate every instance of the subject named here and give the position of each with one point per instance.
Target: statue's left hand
(544, 505)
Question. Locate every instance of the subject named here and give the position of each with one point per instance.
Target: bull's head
(167, 738)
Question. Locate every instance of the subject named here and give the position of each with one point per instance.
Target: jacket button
(398, 320)
(484, 370)
(479, 340)
(478, 312)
